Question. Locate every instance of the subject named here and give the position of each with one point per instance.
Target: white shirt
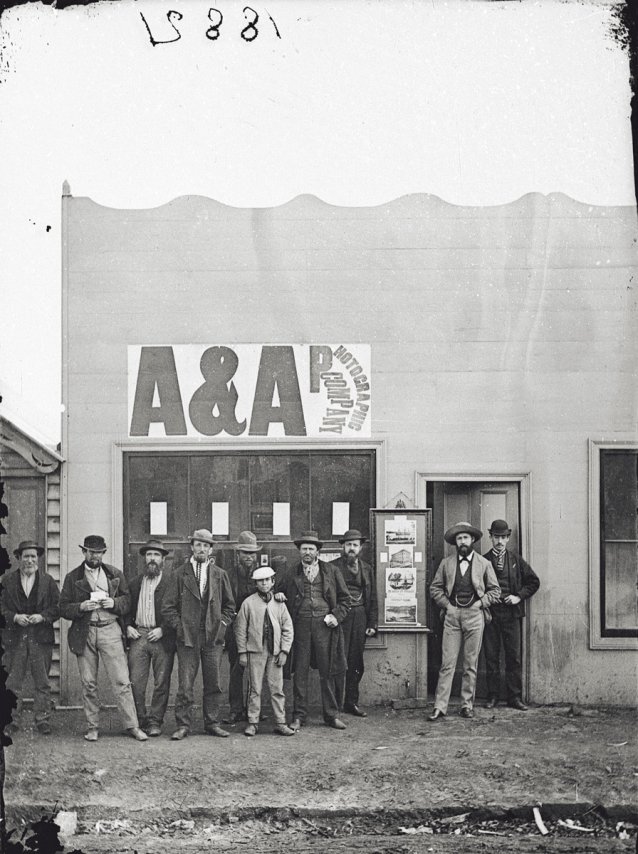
(204, 574)
(27, 582)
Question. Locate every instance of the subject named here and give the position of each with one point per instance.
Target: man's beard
(93, 562)
(498, 549)
(309, 559)
(200, 558)
(152, 569)
(351, 559)
(464, 550)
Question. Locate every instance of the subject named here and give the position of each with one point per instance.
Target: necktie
(500, 559)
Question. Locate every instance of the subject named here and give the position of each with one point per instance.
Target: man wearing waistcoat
(517, 581)
(151, 641)
(361, 621)
(95, 597)
(199, 606)
(318, 601)
(30, 607)
(464, 587)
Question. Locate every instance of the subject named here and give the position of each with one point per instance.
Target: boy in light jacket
(264, 634)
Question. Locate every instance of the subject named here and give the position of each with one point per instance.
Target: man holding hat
(95, 597)
(464, 587)
(151, 639)
(517, 581)
(199, 605)
(246, 557)
(318, 601)
(361, 621)
(30, 607)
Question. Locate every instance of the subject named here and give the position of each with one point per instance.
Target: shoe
(91, 735)
(44, 728)
(215, 729)
(137, 733)
(436, 715)
(517, 703)
(234, 718)
(491, 703)
(153, 731)
(282, 729)
(180, 733)
(296, 725)
(356, 711)
(335, 723)
(251, 729)
(466, 712)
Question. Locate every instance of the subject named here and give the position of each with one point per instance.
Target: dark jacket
(76, 589)
(168, 632)
(47, 605)
(523, 580)
(181, 606)
(369, 589)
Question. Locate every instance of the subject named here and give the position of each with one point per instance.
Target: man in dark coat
(318, 601)
(95, 597)
(362, 619)
(151, 640)
(518, 582)
(30, 607)
(199, 606)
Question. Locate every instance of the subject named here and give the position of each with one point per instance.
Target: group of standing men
(190, 611)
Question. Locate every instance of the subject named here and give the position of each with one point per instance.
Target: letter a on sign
(157, 374)
(277, 371)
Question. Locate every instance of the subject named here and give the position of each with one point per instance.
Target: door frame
(524, 480)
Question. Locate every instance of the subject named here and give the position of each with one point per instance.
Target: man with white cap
(464, 587)
(199, 605)
(264, 633)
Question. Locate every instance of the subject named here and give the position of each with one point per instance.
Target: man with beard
(151, 639)
(318, 601)
(95, 598)
(517, 581)
(30, 607)
(464, 587)
(246, 556)
(361, 621)
(199, 606)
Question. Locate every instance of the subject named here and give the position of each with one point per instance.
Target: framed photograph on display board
(401, 551)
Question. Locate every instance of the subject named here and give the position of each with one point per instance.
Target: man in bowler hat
(318, 601)
(30, 607)
(464, 587)
(517, 581)
(151, 640)
(360, 622)
(199, 606)
(95, 598)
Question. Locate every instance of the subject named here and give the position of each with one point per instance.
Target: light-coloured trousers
(105, 642)
(462, 627)
(260, 664)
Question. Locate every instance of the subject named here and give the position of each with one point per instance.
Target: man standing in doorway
(246, 560)
(517, 581)
(95, 597)
(318, 601)
(30, 607)
(151, 639)
(464, 587)
(361, 621)
(199, 606)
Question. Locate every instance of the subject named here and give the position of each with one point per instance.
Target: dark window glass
(341, 477)
(157, 478)
(219, 477)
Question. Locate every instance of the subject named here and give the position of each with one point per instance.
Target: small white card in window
(159, 518)
(220, 518)
(340, 517)
(281, 519)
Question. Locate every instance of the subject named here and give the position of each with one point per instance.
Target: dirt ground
(357, 788)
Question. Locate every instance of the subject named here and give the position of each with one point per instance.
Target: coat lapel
(450, 573)
(190, 582)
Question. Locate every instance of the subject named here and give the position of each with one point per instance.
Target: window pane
(621, 592)
(157, 478)
(281, 478)
(219, 477)
(341, 477)
(620, 495)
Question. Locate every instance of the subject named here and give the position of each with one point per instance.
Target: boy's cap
(262, 572)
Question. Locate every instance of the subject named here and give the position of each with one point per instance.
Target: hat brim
(452, 534)
(361, 539)
(247, 548)
(91, 549)
(145, 549)
(191, 540)
(310, 542)
(17, 553)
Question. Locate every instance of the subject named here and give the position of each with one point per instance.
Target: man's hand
(107, 602)
(280, 597)
(155, 634)
(370, 633)
(21, 619)
(132, 633)
(89, 605)
(331, 621)
(282, 658)
(34, 619)
(243, 659)
(512, 599)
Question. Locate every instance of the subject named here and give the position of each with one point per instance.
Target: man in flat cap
(246, 561)
(30, 606)
(362, 619)
(464, 587)
(199, 606)
(151, 640)
(517, 581)
(318, 601)
(95, 598)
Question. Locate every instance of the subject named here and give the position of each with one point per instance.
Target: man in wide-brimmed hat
(517, 581)
(30, 607)
(151, 641)
(362, 619)
(199, 606)
(318, 601)
(464, 587)
(95, 597)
